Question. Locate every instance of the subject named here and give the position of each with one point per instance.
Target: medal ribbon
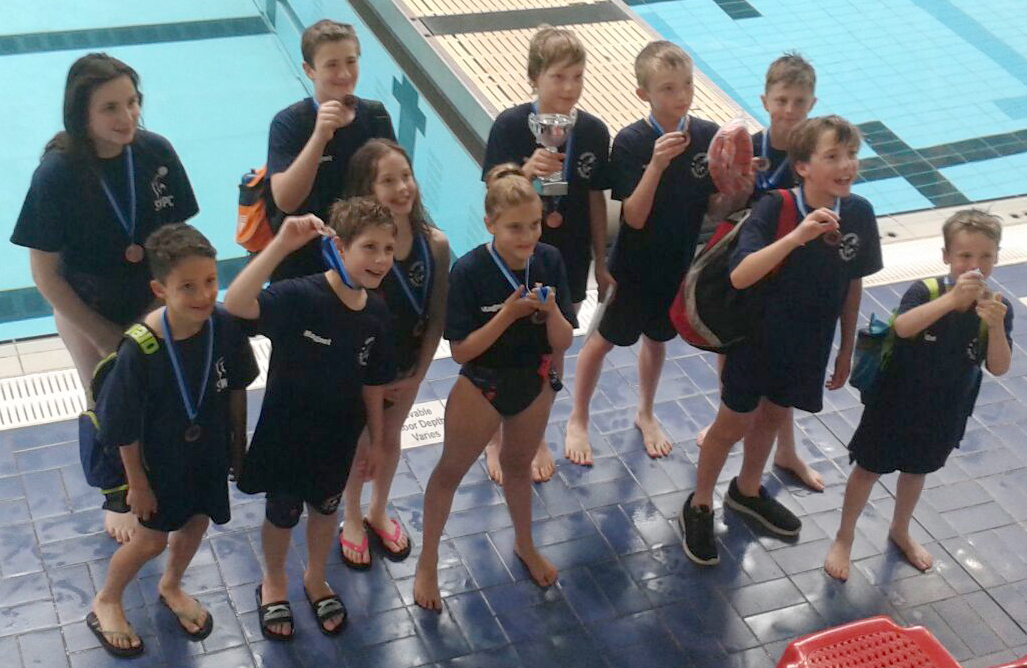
(331, 256)
(190, 409)
(769, 182)
(800, 203)
(128, 223)
(509, 274)
(422, 304)
(682, 125)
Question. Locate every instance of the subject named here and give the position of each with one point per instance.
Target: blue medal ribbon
(419, 304)
(543, 291)
(128, 223)
(191, 409)
(331, 256)
(800, 203)
(769, 182)
(682, 125)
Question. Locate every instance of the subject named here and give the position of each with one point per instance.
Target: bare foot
(353, 532)
(701, 436)
(837, 562)
(191, 615)
(542, 465)
(543, 572)
(112, 619)
(576, 446)
(656, 442)
(790, 461)
(316, 590)
(271, 592)
(426, 587)
(384, 525)
(914, 551)
(492, 461)
(120, 527)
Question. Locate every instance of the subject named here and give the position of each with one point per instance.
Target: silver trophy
(551, 131)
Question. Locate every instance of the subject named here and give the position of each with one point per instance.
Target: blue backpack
(101, 461)
(876, 342)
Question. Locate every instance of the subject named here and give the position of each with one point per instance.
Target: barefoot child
(788, 97)
(331, 355)
(176, 404)
(415, 292)
(918, 411)
(508, 315)
(813, 277)
(659, 171)
(575, 223)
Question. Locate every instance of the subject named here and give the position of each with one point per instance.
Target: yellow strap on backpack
(934, 291)
(144, 337)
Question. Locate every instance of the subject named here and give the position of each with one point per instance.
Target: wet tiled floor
(627, 596)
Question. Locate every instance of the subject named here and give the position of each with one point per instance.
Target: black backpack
(101, 461)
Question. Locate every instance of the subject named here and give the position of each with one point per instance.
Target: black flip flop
(277, 612)
(200, 633)
(326, 608)
(118, 652)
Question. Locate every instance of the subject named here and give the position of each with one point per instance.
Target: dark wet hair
(86, 75)
(170, 244)
(363, 171)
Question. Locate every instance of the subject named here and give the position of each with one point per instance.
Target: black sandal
(93, 622)
(326, 608)
(379, 537)
(278, 612)
(200, 633)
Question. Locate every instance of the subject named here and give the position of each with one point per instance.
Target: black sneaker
(764, 509)
(697, 537)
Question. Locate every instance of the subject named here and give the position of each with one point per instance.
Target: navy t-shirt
(140, 401)
(477, 290)
(289, 133)
(322, 355)
(783, 179)
(406, 325)
(66, 211)
(803, 300)
(658, 255)
(511, 140)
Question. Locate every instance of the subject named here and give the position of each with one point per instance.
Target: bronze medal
(192, 434)
(134, 253)
(832, 238)
(554, 219)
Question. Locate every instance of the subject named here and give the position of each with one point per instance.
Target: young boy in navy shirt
(659, 171)
(175, 403)
(810, 278)
(576, 222)
(331, 357)
(310, 142)
(788, 97)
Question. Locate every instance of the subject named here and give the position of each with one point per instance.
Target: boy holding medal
(574, 223)
(176, 404)
(788, 97)
(659, 171)
(310, 142)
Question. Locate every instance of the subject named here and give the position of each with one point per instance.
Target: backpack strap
(788, 218)
(143, 337)
(933, 288)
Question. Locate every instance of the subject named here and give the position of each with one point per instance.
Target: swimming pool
(214, 74)
(938, 86)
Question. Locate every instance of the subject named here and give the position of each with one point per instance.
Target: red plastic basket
(877, 642)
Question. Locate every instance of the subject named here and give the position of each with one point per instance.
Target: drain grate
(39, 398)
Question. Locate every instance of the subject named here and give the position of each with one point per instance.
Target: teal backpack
(876, 342)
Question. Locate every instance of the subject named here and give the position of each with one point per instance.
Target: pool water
(213, 75)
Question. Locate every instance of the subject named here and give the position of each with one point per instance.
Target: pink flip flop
(381, 537)
(361, 549)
